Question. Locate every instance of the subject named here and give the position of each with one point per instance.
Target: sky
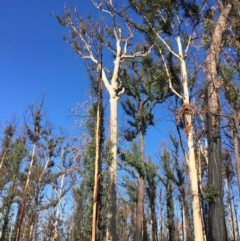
(35, 60)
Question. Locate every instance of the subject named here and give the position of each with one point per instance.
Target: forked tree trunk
(114, 93)
(216, 224)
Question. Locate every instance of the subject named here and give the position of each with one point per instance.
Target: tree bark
(22, 206)
(8, 209)
(113, 167)
(236, 143)
(139, 212)
(188, 128)
(96, 171)
(216, 221)
(230, 210)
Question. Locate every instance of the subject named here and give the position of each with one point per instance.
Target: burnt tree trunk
(216, 221)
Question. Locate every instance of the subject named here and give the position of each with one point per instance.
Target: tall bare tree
(172, 27)
(115, 35)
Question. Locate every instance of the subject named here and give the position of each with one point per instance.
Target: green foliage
(210, 193)
(132, 159)
(131, 189)
(86, 186)
(143, 93)
(18, 152)
(151, 178)
(8, 135)
(232, 90)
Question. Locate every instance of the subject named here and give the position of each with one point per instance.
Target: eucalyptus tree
(217, 227)
(173, 27)
(229, 70)
(179, 180)
(115, 36)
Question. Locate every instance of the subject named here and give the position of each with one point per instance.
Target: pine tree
(17, 152)
(168, 183)
(152, 180)
(142, 94)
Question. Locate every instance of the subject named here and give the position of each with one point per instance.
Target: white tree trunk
(188, 128)
(113, 167)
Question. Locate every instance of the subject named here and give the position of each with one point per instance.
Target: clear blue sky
(34, 59)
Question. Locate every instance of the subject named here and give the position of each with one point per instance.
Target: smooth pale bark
(186, 223)
(114, 94)
(188, 128)
(87, 50)
(216, 221)
(113, 167)
(139, 211)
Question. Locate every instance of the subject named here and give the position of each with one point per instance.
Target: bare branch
(138, 54)
(168, 75)
(99, 6)
(159, 37)
(105, 80)
(220, 4)
(127, 39)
